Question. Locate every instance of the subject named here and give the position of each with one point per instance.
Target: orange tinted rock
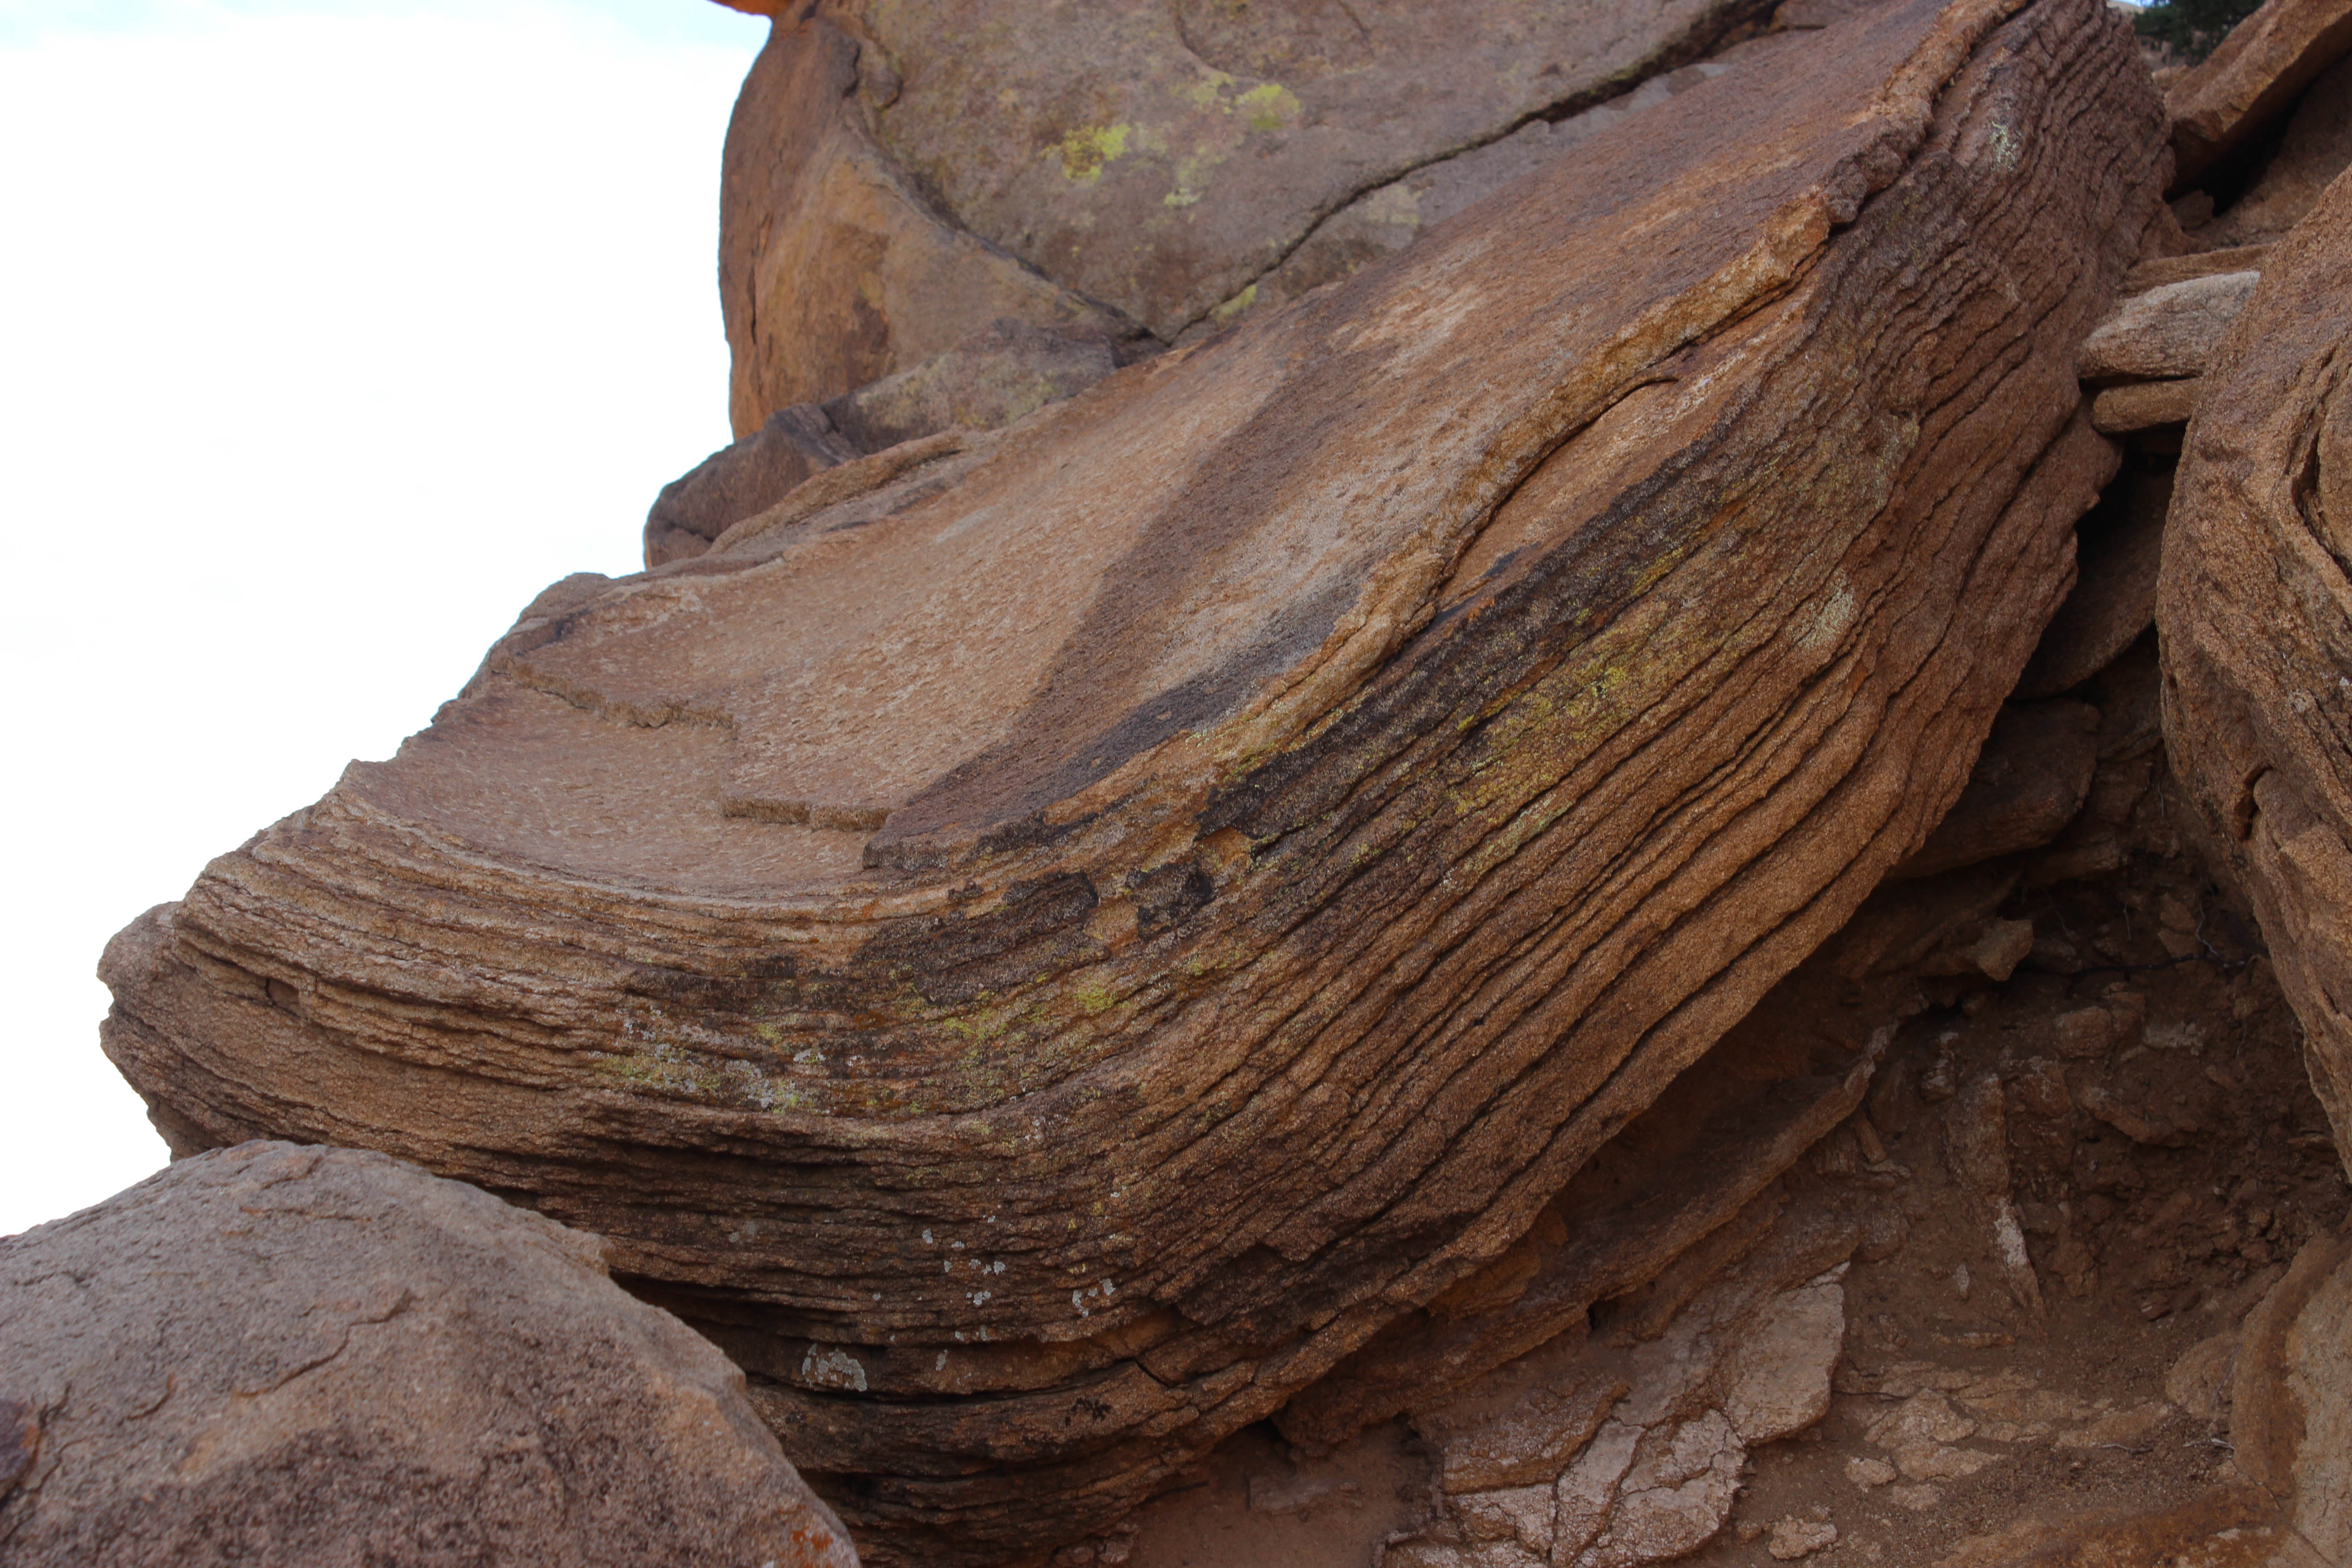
(2255, 616)
(1042, 956)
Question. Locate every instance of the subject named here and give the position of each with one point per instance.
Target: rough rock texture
(307, 1357)
(987, 381)
(1648, 1470)
(2255, 609)
(2170, 331)
(2315, 149)
(741, 481)
(2029, 781)
(836, 267)
(1047, 972)
(2255, 74)
(1153, 156)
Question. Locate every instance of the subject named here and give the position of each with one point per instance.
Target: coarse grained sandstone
(305, 1358)
(1043, 974)
(2254, 610)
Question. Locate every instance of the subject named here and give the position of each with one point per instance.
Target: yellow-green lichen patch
(1268, 106)
(1086, 150)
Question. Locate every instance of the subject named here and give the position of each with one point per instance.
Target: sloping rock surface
(2251, 78)
(306, 1358)
(2255, 609)
(1046, 955)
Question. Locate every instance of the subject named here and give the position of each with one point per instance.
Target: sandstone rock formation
(2256, 613)
(306, 1357)
(1047, 943)
(2255, 75)
(1105, 167)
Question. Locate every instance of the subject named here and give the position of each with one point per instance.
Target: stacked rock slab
(303, 1358)
(2255, 610)
(1045, 956)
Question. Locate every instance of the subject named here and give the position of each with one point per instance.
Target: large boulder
(899, 173)
(1047, 952)
(2255, 612)
(305, 1358)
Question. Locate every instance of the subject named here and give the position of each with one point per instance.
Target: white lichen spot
(830, 1366)
(1822, 623)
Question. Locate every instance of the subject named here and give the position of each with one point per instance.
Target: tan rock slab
(2144, 406)
(2170, 331)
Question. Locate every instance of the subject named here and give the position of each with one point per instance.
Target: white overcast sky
(330, 332)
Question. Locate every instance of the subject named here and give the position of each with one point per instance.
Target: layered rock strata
(1049, 950)
(294, 1357)
(2255, 609)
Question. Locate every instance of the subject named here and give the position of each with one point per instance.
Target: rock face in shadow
(1046, 955)
(303, 1358)
(2255, 612)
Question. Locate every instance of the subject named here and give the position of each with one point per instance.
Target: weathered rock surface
(741, 481)
(2029, 781)
(2251, 78)
(307, 1357)
(989, 380)
(836, 267)
(1046, 955)
(2255, 610)
(1647, 1472)
(1154, 157)
(2170, 331)
(2315, 148)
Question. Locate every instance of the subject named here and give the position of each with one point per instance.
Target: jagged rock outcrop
(302, 1358)
(2255, 610)
(1048, 952)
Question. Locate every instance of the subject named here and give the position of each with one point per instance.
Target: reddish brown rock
(2315, 148)
(836, 267)
(2255, 614)
(2030, 780)
(2256, 73)
(741, 481)
(902, 171)
(2119, 550)
(304, 1358)
(1046, 955)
